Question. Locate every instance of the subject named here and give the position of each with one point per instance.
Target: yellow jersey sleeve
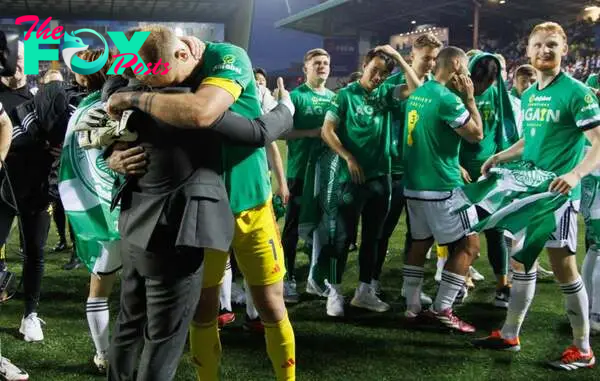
(228, 85)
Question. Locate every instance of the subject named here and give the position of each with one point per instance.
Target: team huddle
(189, 187)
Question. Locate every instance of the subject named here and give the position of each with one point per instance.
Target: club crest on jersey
(589, 99)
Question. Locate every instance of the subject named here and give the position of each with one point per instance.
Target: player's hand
(117, 103)
(564, 183)
(284, 193)
(489, 164)
(94, 118)
(389, 50)
(132, 161)
(280, 92)
(55, 151)
(356, 172)
(194, 44)
(465, 175)
(463, 84)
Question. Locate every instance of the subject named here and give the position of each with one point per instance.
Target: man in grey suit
(173, 206)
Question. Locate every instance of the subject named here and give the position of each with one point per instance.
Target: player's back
(229, 67)
(431, 146)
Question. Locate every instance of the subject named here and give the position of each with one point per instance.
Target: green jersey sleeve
(592, 81)
(585, 109)
(338, 107)
(230, 62)
(452, 110)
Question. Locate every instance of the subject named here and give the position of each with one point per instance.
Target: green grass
(362, 346)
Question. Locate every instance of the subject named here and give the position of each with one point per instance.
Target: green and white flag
(318, 220)
(517, 198)
(85, 186)
(590, 207)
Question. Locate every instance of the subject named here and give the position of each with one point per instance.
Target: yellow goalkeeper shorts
(257, 249)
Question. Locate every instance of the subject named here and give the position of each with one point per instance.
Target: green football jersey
(245, 168)
(398, 114)
(554, 120)
(311, 107)
(397, 166)
(431, 144)
(364, 123)
(592, 81)
(473, 155)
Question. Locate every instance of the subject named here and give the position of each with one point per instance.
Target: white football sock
(225, 295)
(98, 317)
(577, 310)
(412, 285)
(521, 295)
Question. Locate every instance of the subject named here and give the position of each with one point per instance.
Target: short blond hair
(427, 40)
(551, 27)
(315, 53)
(160, 44)
(52, 75)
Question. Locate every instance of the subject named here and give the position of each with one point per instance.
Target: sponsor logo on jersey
(316, 110)
(226, 66)
(533, 98)
(416, 98)
(589, 107)
(364, 110)
(534, 114)
(229, 59)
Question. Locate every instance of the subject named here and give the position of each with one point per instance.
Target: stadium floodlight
(591, 8)
(413, 22)
(502, 1)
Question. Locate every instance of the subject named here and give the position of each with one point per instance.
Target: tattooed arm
(185, 110)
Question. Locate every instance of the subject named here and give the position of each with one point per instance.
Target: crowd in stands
(582, 60)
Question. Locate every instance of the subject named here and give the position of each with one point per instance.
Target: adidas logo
(288, 364)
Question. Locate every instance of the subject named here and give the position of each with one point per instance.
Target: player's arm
(512, 153)
(276, 163)
(215, 95)
(412, 80)
(268, 102)
(300, 134)
(472, 128)
(335, 115)
(330, 137)
(297, 133)
(191, 111)
(6, 130)
(590, 162)
(584, 107)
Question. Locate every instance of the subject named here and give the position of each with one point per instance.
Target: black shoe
(352, 248)
(61, 246)
(73, 264)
